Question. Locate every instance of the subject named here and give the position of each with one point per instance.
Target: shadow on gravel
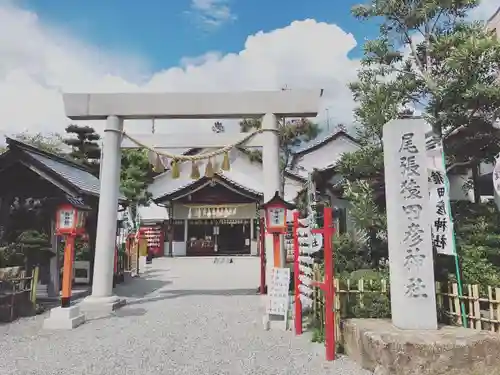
(171, 294)
(153, 272)
(140, 287)
(123, 312)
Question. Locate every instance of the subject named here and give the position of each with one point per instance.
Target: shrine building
(219, 215)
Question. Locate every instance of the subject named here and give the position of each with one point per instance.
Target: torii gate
(114, 108)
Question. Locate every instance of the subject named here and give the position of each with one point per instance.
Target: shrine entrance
(115, 108)
(234, 237)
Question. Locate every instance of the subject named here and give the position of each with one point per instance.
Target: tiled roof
(77, 175)
(80, 178)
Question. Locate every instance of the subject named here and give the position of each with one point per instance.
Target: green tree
(451, 71)
(427, 56)
(51, 142)
(84, 146)
(292, 134)
(135, 176)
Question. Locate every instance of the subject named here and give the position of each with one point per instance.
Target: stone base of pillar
(64, 318)
(273, 322)
(100, 306)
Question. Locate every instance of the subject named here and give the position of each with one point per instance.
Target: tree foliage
(428, 57)
(292, 134)
(51, 142)
(84, 146)
(135, 176)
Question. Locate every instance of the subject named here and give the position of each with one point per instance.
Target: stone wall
(380, 347)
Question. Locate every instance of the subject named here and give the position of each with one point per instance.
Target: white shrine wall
(326, 155)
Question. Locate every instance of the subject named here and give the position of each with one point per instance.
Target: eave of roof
(74, 174)
(494, 15)
(243, 175)
(322, 141)
(200, 183)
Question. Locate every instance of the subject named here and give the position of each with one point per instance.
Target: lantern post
(70, 223)
(276, 213)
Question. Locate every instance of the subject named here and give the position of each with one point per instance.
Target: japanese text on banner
(441, 222)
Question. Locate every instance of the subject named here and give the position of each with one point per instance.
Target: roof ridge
(494, 15)
(318, 142)
(30, 148)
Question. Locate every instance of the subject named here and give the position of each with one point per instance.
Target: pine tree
(84, 147)
(292, 134)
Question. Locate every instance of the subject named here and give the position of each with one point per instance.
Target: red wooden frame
(262, 235)
(327, 285)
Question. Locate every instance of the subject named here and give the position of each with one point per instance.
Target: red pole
(296, 272)
(276, 249)
(329, 290)
(67, 282)
(262, 236)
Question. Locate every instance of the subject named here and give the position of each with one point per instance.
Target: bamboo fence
(482, 304)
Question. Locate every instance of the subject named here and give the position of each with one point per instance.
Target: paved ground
(184, 316)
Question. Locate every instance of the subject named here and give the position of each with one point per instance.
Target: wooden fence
(370, 299)
(18, 296)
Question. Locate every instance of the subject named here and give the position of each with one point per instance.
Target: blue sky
(48, 47)
(164, 31)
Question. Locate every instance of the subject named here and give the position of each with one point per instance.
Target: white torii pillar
(114, 108)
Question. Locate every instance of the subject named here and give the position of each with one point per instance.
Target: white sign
(277, 293)
(413, 297)
(309, 242)
(496, 182)
(277, 216)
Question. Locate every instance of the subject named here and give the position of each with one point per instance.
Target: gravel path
(184, 316)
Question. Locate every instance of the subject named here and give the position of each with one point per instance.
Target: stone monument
(413, 296)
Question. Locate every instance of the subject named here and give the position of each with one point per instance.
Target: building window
(178, 230)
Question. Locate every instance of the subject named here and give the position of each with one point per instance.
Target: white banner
(306, 301)
(441, 221)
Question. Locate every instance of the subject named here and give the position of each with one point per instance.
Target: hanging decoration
(157, 157)
(225, 163)
(209, 169)
(175, 169)
(213, 211)
(195, 172)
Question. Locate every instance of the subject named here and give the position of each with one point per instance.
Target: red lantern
(276, 213)
(70, 220)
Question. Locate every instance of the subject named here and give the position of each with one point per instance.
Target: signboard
(278, 298)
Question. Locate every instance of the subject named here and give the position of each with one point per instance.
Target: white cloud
(211, 14)
(38, 62)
